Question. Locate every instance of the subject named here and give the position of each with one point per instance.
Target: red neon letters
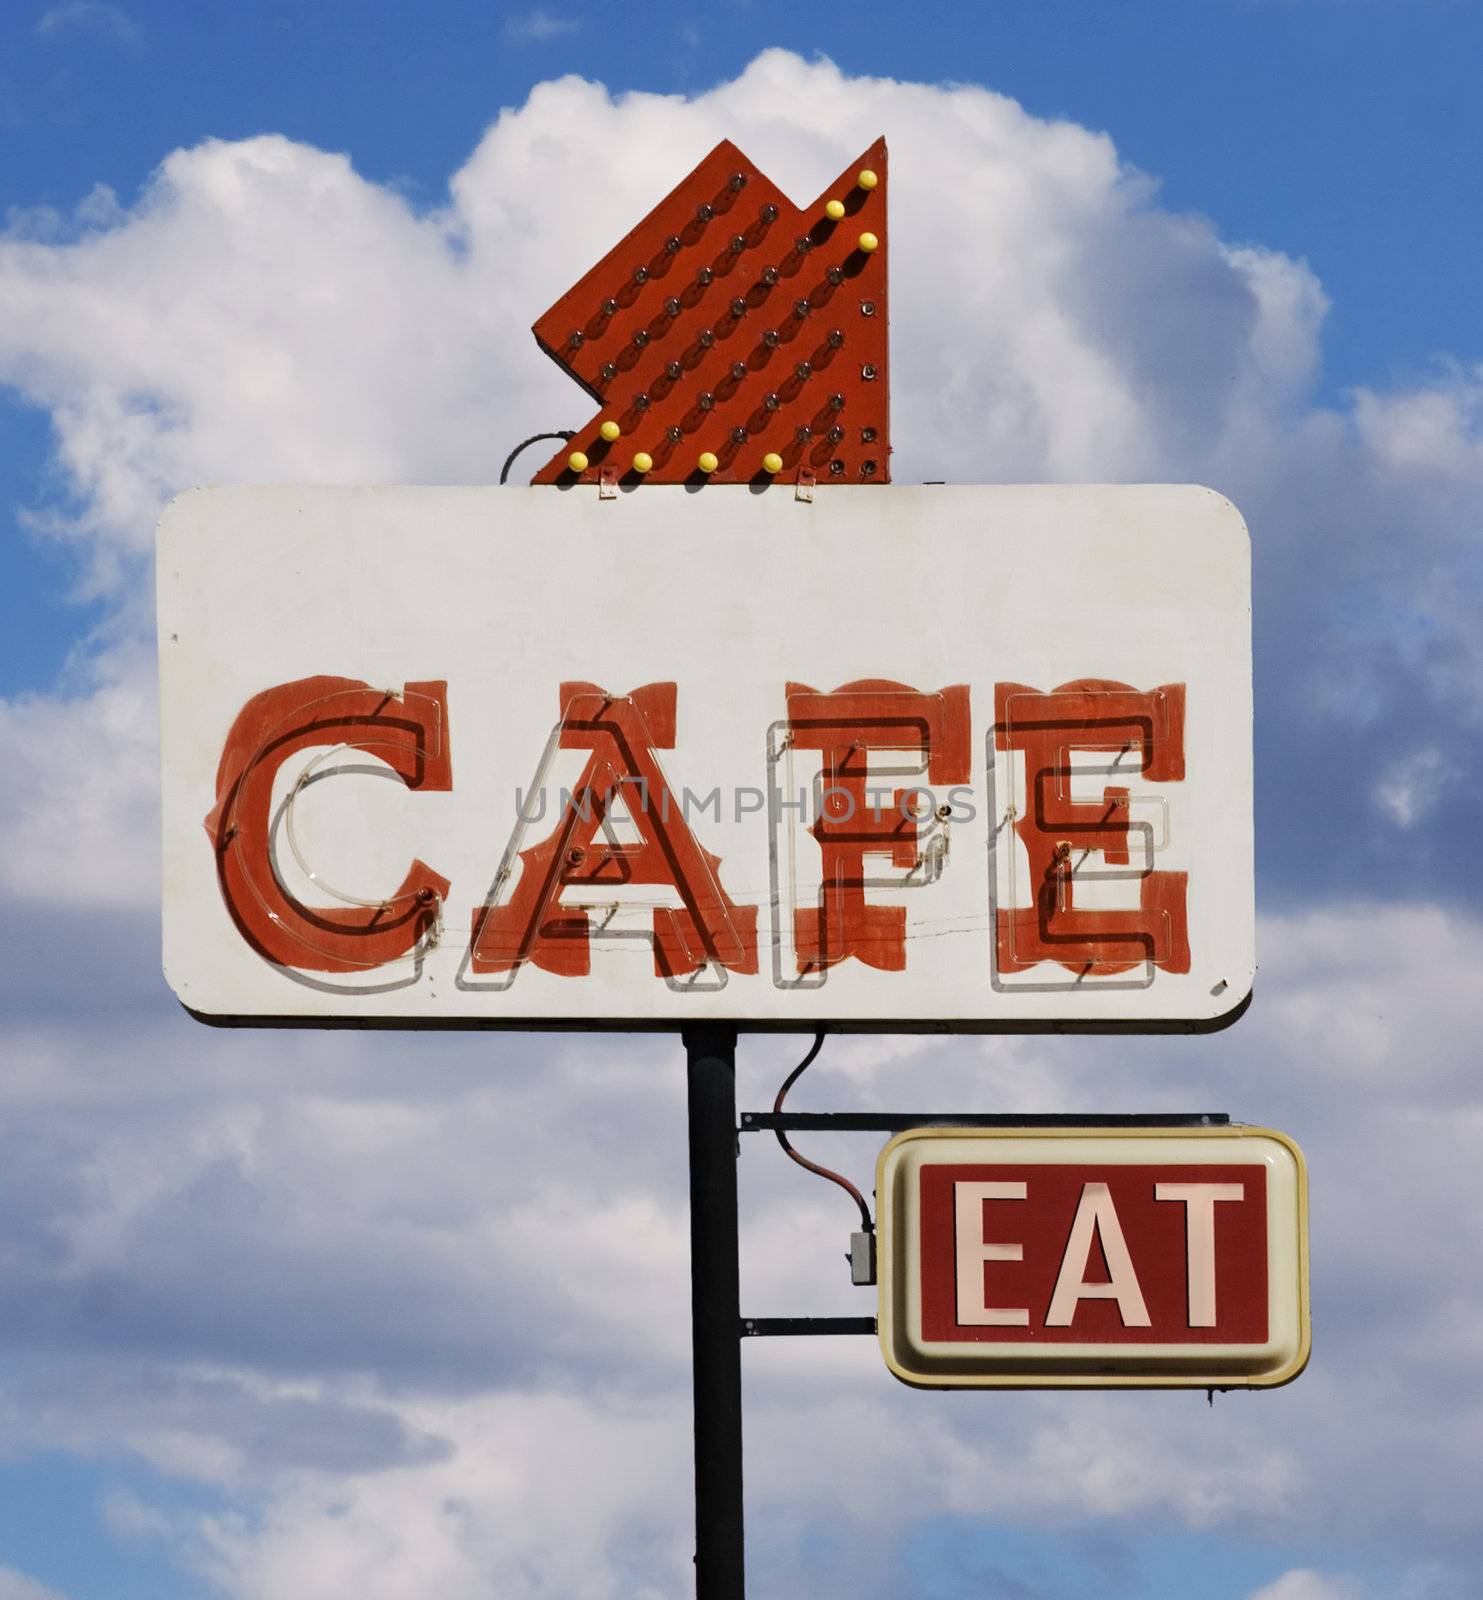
(853, 822)
(410, 733)
(1120, 728)
(1058, 832)
(622, 735)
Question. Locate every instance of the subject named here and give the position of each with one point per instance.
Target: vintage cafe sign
(962, 757)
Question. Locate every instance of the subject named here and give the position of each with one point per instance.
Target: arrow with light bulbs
(733, 336)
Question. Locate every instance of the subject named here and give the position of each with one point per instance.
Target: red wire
(803, 1161)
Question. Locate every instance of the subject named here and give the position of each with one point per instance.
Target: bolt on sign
(890, 757)
(1093, 1258)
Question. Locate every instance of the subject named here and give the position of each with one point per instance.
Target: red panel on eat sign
(733, 336)
(1155, 1233)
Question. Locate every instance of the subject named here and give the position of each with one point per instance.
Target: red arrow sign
(733, 336)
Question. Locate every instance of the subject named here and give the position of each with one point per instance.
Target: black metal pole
(715, 1314)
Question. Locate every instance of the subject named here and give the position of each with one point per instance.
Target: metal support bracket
(776, 1327)
(900, 1121)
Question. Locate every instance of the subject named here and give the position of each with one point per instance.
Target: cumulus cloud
(425, 1301)
(428, 1299)
(1437, 429)
(79, 819)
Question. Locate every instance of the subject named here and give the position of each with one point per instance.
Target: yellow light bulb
(577, 461)
(869, 242)
(834, 210)
(610, 430)
(867, 179)
(772, 462)
(642, 461)
(708, 461)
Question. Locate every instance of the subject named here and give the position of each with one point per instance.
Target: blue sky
(278, 1317)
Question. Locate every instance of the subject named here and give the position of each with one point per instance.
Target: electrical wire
(561, 433)
(802, 1160)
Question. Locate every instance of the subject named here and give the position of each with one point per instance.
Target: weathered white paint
(730, 594)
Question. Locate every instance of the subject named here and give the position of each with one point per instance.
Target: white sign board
(942, 758)
(1093, 1258)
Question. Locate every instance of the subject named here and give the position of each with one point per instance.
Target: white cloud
(1304, 1584)
(1409, 788)
(211, 1246)
(548, 1495)
(1434, 429)
(17, 1586)
(79, 818)
(538, 26)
